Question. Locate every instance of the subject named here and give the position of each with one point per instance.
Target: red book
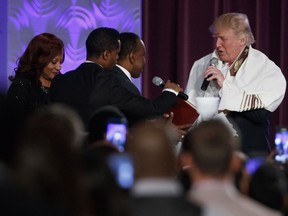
(184, 113)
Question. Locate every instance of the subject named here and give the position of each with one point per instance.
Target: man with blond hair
(250, 86)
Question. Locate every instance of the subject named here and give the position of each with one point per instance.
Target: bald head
(152, 152)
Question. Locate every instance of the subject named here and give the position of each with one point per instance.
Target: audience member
(156, 190)
(106, 197)
(268, 186)
(237, 165)
(97, 126)
(209, 153)
(92, 86)
(47, 164)
(250, 86)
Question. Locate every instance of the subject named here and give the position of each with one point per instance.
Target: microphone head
(214, 61)
(157, 81)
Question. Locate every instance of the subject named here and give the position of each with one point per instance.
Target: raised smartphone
(121, 165)
(116, 132)
(281, 145)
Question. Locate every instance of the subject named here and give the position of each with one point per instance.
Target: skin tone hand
(216, 75)
(173, 86)
(181, 129)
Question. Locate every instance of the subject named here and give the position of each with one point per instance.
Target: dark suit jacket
(125, 81)
(163, 206)
(89, 87)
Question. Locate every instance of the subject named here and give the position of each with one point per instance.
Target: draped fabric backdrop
(176, 34)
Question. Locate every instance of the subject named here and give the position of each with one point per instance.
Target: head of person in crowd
(105, 195)
(47, 162)
(268, 185)
(97, 127)
(103, 46)
(232, 34)
(208, 151)
(132, 53)
(42, 60)
(152, 151)
(156, 189)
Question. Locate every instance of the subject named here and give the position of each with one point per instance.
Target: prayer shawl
(258, 83)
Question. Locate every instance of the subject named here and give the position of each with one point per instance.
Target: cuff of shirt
(171, 90)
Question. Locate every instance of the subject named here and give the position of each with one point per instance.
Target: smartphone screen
(116, 133)
(122, 168)
(281, 144)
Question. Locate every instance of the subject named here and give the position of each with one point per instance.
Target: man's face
(139, 60)
(228, 44)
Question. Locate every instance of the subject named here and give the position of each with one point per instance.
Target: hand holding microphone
(170, 85)
(212, 73)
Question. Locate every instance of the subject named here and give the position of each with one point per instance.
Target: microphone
(213, 62)
(160, 82)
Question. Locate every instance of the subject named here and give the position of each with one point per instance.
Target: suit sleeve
(138, 105)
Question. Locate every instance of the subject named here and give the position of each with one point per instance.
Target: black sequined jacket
(25, 96)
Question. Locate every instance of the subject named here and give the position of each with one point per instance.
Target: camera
(116, 132)
(281, 145)
(121, 165)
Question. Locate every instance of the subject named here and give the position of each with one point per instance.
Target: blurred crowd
(57, 167)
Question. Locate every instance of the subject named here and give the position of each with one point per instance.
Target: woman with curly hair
(30, 87)
(38, 65)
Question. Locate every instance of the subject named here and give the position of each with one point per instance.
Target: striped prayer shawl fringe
(250, 102)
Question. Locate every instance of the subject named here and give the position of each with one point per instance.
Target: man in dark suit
(156, 190)
(130, 65)
(131, 60)
(92, 85)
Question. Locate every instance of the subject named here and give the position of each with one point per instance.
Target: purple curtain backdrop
(176, 34)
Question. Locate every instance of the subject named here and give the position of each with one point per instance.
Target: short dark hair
(102, 39)
(129, 41)
(211, 145)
